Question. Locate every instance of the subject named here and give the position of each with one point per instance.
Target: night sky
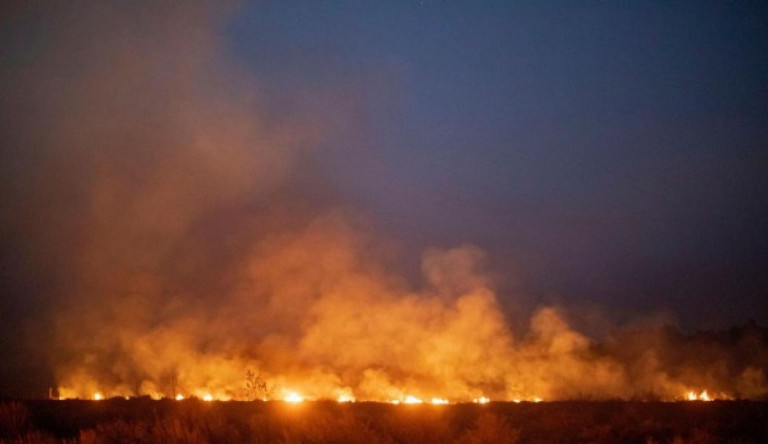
(609, 157)
(604, 154)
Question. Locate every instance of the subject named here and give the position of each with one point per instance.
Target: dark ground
(193, 421)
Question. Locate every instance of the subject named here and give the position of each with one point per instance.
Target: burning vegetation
(362, 334)
(180, 252)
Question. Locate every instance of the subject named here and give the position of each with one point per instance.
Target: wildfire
(293, 398)
(534, 399)
(703, 396)
(346, 395)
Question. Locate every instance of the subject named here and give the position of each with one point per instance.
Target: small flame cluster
(702, 396)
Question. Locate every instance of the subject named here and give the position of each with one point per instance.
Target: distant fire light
(293, 398)
(703, 396)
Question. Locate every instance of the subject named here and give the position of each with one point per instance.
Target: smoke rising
(155, 222)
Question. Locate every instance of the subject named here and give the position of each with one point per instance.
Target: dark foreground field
(193, 421)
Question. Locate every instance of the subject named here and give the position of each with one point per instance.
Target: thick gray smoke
(158, 239)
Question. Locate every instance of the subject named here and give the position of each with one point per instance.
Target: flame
(293, 398)
(703, 396)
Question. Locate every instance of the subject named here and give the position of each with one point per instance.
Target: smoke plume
(158, 226)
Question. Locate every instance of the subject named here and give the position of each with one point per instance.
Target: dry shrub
(167, 430)
(332, 427)
(490, 428)
(33, 437)
(419, 425)
(174, 431)
(698, 436)
(14, 419)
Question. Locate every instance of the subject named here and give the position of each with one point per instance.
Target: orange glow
(293, 398)
(703, 396)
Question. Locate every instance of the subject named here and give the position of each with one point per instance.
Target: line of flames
(293, 397)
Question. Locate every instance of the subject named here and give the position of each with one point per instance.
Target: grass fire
(412, 221)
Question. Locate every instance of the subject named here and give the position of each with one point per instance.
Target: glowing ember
(208, 398)
(483, 400)
(395, 401)
(439, 401)
(516, 401)
(97, 396)
(537, 399)
(412, 400)
(179, 397)
(346, 398)
(293, 398)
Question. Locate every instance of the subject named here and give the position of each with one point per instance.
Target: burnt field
(192, 421)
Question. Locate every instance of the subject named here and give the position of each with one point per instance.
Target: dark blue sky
(602, 153)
